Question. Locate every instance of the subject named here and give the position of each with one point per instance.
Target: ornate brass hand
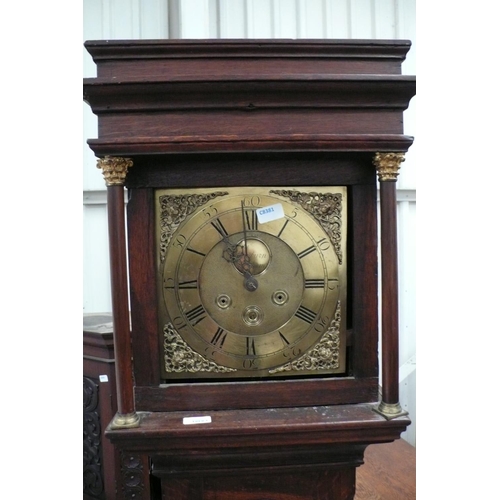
(232, 253)
(237, 254)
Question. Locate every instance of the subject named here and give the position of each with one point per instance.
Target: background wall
(136, 19)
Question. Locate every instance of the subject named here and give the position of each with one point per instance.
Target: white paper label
(103, 378)
(270, 213)
(196, 420)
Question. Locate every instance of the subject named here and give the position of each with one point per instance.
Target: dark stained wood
(140, 211)
(268, 484)
(160, 102)
(244, 453)
(337, 104)
(389, 472)
(264, 430)
(253, 57)
(363, 282)
(275, 394)
(390, 317)
(182, 488)
(256, 169)
(228, 143)
(119, 298)
(134, 479)
(250, 95)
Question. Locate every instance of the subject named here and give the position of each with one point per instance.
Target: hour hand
(230, 253)
(236, 255)
(250, 282)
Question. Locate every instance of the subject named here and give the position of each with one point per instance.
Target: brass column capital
(387, 165)
(114, 169)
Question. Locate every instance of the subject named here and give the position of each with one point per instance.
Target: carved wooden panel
(134, 476)
(93, 481)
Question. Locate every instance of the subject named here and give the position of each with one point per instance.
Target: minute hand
(244, 229)
(250, 282)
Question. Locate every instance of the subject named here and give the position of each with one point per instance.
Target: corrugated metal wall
(135, 19)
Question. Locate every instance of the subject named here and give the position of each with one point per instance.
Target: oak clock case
(251, 282)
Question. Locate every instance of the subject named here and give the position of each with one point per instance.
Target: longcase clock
(247, 363)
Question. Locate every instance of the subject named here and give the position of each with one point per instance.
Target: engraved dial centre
(258, 256)
(260, 311)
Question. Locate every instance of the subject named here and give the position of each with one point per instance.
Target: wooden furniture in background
(99, 407)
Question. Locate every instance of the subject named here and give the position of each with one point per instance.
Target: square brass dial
(251, 281)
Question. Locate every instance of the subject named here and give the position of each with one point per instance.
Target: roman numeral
(282, 229)
(219, 337)
(312, 283)
(188, 285)
(284, 339)
(251, 220)
(305, 314)
(192, 250)
(305, 252)
(250, 346)
(219, 228)
(195, 315)
(333, 284)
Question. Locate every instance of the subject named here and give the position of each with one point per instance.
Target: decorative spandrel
(323, 356)
(326, 208)
(179, 357)
(173, 211)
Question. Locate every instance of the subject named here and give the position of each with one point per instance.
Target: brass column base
(390, 410)
(128, 421)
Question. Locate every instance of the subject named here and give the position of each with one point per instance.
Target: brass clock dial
(251, 281)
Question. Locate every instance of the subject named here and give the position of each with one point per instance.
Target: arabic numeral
(253, 201)
(321, 324)
(180, 241)
(211, 211)
(323, 244)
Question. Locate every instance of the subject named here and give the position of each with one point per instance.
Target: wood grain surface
(389, 472)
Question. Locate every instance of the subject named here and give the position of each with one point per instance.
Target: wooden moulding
(337, 113)
(260, 437)
(199, 57)
(119, 146)
(154, 97)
